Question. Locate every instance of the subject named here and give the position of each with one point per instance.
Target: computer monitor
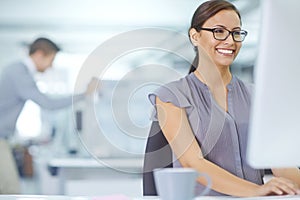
(274, 134)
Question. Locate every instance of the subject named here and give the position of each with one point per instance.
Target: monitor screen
(274, 135)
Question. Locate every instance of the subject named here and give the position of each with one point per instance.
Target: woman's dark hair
(205, 11)
(45, 45)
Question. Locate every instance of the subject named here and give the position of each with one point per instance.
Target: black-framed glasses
(222, 34)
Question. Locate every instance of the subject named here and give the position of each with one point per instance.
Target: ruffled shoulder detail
(176, 92)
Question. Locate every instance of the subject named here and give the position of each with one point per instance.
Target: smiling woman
(204, 116)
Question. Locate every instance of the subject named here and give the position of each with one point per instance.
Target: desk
(121, 197)
(87, 176)
(121, 164)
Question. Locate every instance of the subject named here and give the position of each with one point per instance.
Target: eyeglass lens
(222, 34)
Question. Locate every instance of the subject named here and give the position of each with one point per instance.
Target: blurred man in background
(17, 85)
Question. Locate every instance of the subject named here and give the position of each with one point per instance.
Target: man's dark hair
(45, 45)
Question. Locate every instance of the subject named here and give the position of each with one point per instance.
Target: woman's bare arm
(177, 130)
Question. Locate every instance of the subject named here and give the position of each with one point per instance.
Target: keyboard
(283, 197)
(293, 197)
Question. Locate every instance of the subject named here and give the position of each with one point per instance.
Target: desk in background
(87, 176)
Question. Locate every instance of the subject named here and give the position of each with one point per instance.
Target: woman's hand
(278, 186)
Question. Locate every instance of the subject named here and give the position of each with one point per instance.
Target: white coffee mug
(178, 183)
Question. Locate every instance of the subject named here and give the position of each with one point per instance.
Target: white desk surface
(121, 197)
(75, 162)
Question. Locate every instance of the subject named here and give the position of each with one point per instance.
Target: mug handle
(208, 187)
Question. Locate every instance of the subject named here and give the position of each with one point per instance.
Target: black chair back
(158, 154)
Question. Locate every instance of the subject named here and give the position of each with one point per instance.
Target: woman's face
(222, 53)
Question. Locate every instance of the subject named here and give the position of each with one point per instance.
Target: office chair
(158, 154)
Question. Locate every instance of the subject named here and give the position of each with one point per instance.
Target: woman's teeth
(225, 51)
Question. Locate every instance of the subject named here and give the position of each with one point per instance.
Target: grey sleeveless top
(221, 135)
